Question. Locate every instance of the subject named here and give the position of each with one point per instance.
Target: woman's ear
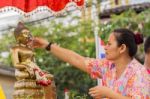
(122, 48)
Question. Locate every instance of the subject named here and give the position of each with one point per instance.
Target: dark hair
(127, 37)
(147, 45)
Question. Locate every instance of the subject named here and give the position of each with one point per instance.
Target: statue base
(28, 89)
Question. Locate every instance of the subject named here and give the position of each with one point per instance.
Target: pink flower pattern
(134, 82)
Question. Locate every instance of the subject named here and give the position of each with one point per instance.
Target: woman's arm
(114, 95)
(99, 92)
(64, 54)
(69, 56)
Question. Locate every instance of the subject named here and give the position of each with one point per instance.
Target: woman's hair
(147, 45)
(127, 37)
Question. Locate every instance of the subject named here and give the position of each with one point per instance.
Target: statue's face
(24, 37)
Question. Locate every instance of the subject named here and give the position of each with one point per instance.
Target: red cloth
(30, 5)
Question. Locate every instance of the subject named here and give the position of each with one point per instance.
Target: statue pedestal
(28, 89)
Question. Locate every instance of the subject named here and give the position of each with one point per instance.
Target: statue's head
(22, 34)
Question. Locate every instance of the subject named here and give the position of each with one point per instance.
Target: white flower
(4, 54)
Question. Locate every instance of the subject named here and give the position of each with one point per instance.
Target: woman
(122, 75)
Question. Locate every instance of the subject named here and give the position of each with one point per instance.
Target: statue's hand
(48, 75)
(29, 68)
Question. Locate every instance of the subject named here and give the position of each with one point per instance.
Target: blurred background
(74, 30)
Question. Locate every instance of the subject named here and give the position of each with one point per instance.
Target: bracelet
(48, 47)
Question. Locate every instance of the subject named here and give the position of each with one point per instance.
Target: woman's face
(112, 50)
(147, 60)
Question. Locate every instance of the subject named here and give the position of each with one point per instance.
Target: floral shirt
(134, 82)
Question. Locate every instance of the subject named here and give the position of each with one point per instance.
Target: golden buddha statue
(32, 82)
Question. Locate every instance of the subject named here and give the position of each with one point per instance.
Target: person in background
(122, 75)
(147, 54)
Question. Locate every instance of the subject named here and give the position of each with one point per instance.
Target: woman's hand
(99, 92)
(39, 43)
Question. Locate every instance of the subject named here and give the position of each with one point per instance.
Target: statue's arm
(15, 58)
